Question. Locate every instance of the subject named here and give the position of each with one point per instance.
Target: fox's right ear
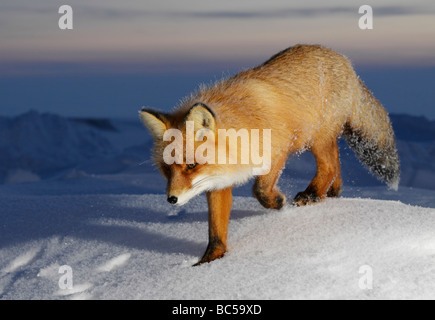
(154, 121)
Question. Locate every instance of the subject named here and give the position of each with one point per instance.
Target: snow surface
(101, 209)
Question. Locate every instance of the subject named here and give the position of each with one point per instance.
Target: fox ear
(154, 121)
(202, 116)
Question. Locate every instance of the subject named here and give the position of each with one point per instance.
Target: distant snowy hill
(39, 146)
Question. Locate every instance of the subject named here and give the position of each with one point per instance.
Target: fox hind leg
(335, 188)
(327, 181)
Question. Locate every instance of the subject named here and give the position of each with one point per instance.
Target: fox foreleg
(219, 208)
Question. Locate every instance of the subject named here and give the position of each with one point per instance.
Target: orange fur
(308, 96)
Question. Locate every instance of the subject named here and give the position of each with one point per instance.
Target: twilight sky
(155, 37)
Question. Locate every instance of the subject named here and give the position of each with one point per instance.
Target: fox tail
(370, 134)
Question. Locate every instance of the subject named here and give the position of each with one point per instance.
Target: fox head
(181, 152)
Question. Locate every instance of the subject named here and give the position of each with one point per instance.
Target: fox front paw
(214, 251)
(275, 200)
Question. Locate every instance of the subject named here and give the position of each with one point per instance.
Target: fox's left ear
(154, 121)
(202, 116)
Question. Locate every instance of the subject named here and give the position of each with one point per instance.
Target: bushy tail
(370, 135)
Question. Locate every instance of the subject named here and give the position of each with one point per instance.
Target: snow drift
(129, 246)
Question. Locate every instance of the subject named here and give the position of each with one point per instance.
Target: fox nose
(172, 199)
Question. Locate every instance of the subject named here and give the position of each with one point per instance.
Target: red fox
(308, 96)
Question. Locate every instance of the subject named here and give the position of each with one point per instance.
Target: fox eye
(190, 166)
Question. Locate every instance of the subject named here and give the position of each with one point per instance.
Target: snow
(106, 217)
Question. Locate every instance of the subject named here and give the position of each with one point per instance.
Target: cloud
(270, 14)
(379, 11)
(107, 12)
(308, 12)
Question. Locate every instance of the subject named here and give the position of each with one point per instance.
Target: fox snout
(172, 199)
(180, 190)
